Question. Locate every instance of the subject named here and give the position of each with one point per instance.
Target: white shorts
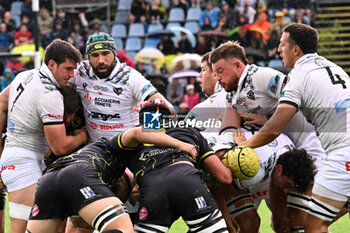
(334, 173)
(20, 168)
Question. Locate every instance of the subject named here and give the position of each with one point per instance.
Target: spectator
(10, 23)
(45, 22)
(180, 4)
(248, 12)
(190, 99)
(15, 65)
(279, 23)
(263, 24)
(27, 21)
(140, 67)
(175, 92)
(207, 25)
(222, 25)
(155, 14)
(287, 7)
(166, 45)
(97, 26)
(139, 11)
(272, 46)
(59, 31)
(304, 6)
(7, 78)
(211, 13)
(124, 58)
(155, 69)
(202, 46)
(184, 45)
(64, 19)
(27, 10)
(78, 37)
(23, 36)
(300, 18)
(5, 38)
(231, 14)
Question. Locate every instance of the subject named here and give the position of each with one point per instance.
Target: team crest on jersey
(143, 213)
(84, 85)
(274, 143)
(273, 84)
(200, 202)
(251, 95)
(320, 61)
(118, 90)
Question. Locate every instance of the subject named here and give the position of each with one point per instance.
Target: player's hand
(253, 119)
(189, 148)
(2, 185)
(239, 137)
(83, 133)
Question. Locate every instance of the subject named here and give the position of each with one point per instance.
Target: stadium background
(138, 24)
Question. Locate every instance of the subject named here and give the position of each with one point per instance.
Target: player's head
(207, 76)
(101, 49)
(228, 61)
(294, 170)
(154, 105)
(297, 39)
(71, 102)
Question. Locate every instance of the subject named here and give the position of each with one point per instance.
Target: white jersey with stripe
(34, 101)
(211, 108)
(321, 91)
(258, 91)
(108, 103)
(268, 155)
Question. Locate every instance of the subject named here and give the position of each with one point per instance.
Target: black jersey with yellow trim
(106, 157)
(149, 157)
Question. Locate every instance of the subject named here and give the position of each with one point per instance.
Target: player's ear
(279, 169)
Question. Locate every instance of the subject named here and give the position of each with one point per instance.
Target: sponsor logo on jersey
(342, 105)
(100, 88)
(200, 202)
(109, 127)
(251, 95)
(57, 116)
(273, 84)
(35, 210)
(10, 167)
(151, 120)
(118, 90)
(347, 166)
(320, 61)
(151, 153)
(274, 143)
(87, 192)
(87, 96)
(143, 213)
(146, 88)
(240, 100)
(104, 102)
(103, 116)
(93, 125)
(259, 194)
(84, 85)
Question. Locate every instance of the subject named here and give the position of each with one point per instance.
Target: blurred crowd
(256, 24)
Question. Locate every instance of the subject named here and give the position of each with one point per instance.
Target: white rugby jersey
(258, 91)
(211, 108)
(108, 103)
(321, 91)
(268, 155)
(34, 101)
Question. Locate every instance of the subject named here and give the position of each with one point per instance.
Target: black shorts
(2, 199)
(171, 192)
(63, 192)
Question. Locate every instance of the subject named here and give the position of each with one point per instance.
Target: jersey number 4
(19, 89)
(336, 79)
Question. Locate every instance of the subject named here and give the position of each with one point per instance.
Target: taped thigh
(322, 210)
(19, 211)
(150, 228)
(108, 215)
(239, 205)
(211, 223)
(298, 200)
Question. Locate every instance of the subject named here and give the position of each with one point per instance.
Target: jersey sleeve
(291, 94)
(140, 86)
(50, 108)
(204, 150)
(117, 144)
(270, 82)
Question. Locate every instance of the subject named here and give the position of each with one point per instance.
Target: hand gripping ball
(243, 162)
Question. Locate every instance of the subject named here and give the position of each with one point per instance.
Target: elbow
(59, 151)
(225, 176)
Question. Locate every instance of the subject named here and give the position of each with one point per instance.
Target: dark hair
(71, 100)
(304, 36)
(299, 166)
(206, 58)
(60, 51)
(228, 50)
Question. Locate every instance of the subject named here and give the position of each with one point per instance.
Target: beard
(105, 74)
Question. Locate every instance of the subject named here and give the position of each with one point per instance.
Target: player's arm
(214, 165)
(61, 144)
(4, 96)
(133, 137)
(231, 119)
(272, 129)
(161, 97)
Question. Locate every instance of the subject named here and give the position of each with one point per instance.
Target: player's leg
(2, 210)
(107, 214)
(297, 209)
(43, 226)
